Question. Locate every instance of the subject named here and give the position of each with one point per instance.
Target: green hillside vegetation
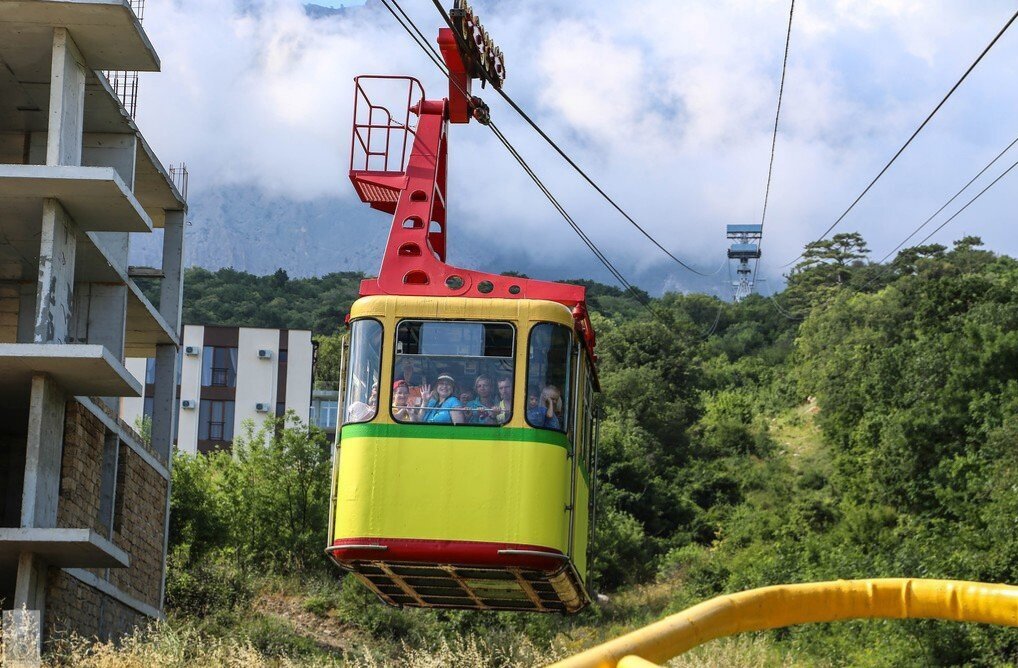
(861, 423)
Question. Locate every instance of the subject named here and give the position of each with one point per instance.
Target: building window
(150, 371)
(280, 408)
(219, 367)
(215, 420)
(149, 409)
(325, 416)
(283, 357)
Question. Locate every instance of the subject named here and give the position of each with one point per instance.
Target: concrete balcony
(107, 33)
(95, 197)
(79, 369)
(66, 548)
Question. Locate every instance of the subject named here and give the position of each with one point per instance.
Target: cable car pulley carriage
(464, 468)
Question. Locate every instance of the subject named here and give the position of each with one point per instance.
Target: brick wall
(9, 305)
(72, 607)
(138, 524)
(139, 528)
(81, 469)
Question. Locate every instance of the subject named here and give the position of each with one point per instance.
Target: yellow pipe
(632, 661)
(787, 605)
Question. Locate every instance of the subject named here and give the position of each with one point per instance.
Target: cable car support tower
(745, 247)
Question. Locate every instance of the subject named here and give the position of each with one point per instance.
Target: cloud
(669, 106)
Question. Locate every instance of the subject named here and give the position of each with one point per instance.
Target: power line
(551, 142)
(914, 134)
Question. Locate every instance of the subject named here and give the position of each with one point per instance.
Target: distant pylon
(745, 247)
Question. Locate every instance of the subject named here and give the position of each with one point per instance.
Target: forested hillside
(861, 423)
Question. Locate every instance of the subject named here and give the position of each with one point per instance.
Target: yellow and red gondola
(482, 503)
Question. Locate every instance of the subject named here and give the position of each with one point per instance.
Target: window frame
(570, 379)
(515, 350)
(341, 420)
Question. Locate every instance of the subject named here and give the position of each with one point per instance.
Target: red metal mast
(410, 183)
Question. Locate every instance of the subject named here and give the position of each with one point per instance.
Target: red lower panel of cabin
(463, 574)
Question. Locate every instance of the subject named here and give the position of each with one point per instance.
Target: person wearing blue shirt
(441, 404)
(545, 413)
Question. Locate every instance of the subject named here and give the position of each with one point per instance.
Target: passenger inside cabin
(505, 400)
(441, 405)
(466, 397)
(545, 412)
(485, 406)
(360, 411)
(413, 379)
(404, 409)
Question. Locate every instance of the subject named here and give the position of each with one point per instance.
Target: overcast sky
(668, 105)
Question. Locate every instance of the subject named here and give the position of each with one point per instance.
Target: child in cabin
(545, 412)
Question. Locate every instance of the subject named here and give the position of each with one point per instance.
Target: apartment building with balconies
(229, 376)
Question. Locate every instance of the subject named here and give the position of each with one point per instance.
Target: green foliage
(261, 509)
(873, 437)
(231, 297)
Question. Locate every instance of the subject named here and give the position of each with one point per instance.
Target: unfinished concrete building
(84, 500)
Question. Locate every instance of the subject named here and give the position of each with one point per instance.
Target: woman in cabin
(441, 405)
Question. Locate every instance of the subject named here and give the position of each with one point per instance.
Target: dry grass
(163, 646)
(466, 652)
(739, 652)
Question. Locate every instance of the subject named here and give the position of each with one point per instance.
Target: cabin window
(549, 377)
(364, 371)
(455, 373)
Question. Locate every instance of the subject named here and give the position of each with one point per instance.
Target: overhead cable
(774, 137)
(914, 134)
(551, 142)
(408, 25)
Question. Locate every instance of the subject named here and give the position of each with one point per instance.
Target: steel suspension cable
(551, 142)
(948, 202)
(774, 136)
(914, 134)
(414, 32)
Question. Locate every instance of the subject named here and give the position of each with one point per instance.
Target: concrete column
(56, 275)
(66, 101)
(171, 295)
(44, 450)
(165, 401)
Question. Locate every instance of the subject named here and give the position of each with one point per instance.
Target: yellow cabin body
(443, 500)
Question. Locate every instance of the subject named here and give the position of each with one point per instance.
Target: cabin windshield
(363, 374)
(458, 373)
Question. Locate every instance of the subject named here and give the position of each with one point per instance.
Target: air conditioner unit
(262, 408)
(264, 354)
(188, 403)
(191, 350)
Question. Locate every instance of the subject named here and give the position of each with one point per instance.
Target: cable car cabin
(463, 469)
(463, 474)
